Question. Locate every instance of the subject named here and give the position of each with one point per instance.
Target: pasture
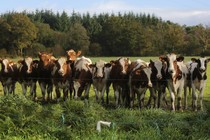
(21, 118)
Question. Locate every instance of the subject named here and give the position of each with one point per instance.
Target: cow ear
(20, 61)
(36, 61)
(112, 62)
(180, 58)
(208, 60)
(163, 58)
(39, 53)
(91, 65)
(108, 65)
(78, 53)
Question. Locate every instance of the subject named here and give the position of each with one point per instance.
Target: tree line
(128, 34)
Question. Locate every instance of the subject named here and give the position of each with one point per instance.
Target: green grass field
(21, 118)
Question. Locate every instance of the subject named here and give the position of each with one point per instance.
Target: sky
(183, 12)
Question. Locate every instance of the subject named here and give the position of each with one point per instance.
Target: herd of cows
(74, 75)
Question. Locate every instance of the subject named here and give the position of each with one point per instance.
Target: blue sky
(188, 12)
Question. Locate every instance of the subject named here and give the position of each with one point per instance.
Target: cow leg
(179, 103)
(107, 95)
(87, 89)
(172, 99)
(49, 91)
(131, 97)
(102, 94)
(185, 98)
(33, 91)
(76, 89)
(58, 93)
(24, 88)
(5, 89)
(201, 98)
(65, 94)
(43, 88)
(96, 93)
(10, 89)
(194, 98)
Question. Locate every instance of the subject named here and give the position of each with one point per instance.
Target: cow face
(172, 60)
(157, 68)
(99, 69)
(62, 65)
(121, 64)
(142, 74)
(72, 55)
(46, 58)
(202, 63)
(7, 65)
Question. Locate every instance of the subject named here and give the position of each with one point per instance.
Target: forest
(128, 34)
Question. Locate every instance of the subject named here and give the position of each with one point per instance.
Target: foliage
(119, 34)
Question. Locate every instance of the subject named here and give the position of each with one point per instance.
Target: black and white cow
(28, 72)
(139, 81)
(158, 78)
(198, 80)
(100, 76)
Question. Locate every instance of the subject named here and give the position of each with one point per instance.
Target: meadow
(22, 118)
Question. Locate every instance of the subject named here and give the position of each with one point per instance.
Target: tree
(77, 38)
(22, 31)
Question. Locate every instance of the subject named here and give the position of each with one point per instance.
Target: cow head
(28, 64)
(46, 58)
(122, 64)
(99, 69)
(7, 65)
(142, 73)
(202, 63)
(62, 65)
(172, 59)
(157, 68)
(72, 55)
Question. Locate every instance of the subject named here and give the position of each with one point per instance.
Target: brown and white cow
(100, 75)
(158, 78)
(119, 79)
(72, 55)
(139, 81)
(8, 75)
(82, 77)
(28, 75)
(62, 76)
(198, 80)
(176, 76)
(45, 67)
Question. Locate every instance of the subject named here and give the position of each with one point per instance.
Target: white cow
(100, 75)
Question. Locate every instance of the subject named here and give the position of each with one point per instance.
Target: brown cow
(62, 76)
(45, 67)
(82, 77)
(119, 80)
(28, 75)
(8, 75)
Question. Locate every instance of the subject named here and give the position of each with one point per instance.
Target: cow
(82, 77)
(62, 77)
(72, 56)
(27, 75)
(45, 67)
(100, 75)
(8, 75)
(158, 78)
(119, 79)
(176, 74)
(139, 81)
(198, 80)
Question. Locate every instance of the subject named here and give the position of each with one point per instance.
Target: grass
(21, 118)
